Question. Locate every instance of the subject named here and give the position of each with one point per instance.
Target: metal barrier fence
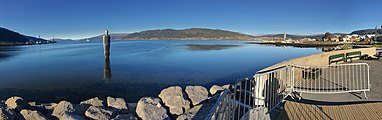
(223, 108)
(261, 94)
(328, 79)
(259, 97)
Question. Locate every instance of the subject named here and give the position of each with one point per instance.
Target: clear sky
(86, 18)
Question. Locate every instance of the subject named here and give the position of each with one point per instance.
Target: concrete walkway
(361, 111)
(375, 94)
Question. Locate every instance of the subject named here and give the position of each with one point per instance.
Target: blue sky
(85, 18)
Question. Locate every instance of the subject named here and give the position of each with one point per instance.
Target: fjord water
(77, 71)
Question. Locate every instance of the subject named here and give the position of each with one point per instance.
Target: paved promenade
(360, 111)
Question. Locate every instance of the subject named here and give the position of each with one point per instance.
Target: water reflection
(140, 68)
(198, 47)
(131, 92)
(7, 51)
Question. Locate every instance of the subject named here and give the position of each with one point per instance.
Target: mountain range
(188, 34)
(10, 37)
(367, 31)
(115, 36)
(211, 34)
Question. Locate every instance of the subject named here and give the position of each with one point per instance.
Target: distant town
(367, 36)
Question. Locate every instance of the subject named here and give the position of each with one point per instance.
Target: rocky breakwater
(16, 108)
(194, 102)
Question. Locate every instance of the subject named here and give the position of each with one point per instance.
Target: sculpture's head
(106, 32)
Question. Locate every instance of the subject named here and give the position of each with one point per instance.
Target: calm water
(76, 71)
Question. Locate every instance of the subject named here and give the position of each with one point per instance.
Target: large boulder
(7, 114)
(93, 102)
(32, 115)
(197, 94)
(215, 88)
(16, 103)
(100, 113)
(62, 108)
(199, 112)
(149, 108)
(173, 98)
(118, 103)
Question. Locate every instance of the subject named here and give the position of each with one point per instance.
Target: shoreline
(307, 44)
(167, 105)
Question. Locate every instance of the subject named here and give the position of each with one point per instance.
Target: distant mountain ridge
(292, 36)
(114, 36)
(10, 37)
(188, 34)
(367, 31)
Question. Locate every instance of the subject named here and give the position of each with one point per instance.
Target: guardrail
(329, 79)
(263, 94)
(224, 107)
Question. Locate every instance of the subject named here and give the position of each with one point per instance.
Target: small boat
(87, 40)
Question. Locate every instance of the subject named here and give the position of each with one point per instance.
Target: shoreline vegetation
(193, 102)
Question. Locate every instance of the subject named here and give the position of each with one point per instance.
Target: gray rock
(199, 112)
(81, 108)
(100, 113)
(215, 88)
(2, 105)
(197, 94)
(118, 103)
(34, 104)
(149, 108)
(71, 116)
(132, 107)
(213, 98)
(32, 115)
(62, 108)
(125, 117)
(93, 102)
(184, 117)
(173, 98)
(7, 114)
(16, 103)
(256, 114)
(49, 106)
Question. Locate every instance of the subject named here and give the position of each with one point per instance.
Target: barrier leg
(365, 94)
